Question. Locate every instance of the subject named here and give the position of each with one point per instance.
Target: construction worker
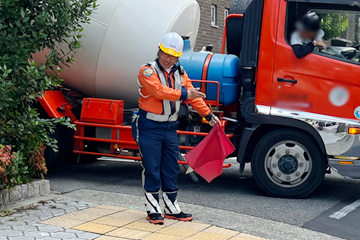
(163, 85)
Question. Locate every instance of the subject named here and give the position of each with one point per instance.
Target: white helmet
(172, 44)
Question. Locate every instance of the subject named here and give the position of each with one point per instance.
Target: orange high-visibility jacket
(152, 92)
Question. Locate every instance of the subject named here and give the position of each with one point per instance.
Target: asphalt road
(230, 192)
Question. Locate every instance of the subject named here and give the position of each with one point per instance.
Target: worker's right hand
(214, 120)
(320, 44)
(194, 93)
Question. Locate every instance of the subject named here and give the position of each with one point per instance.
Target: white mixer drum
(123, 35)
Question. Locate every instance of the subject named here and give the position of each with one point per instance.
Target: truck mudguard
(257, 120)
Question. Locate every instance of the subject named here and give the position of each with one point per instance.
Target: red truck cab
(289, 156)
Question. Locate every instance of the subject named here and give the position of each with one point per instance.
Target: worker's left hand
(214, 120)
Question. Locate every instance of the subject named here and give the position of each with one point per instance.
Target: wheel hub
(288, 164)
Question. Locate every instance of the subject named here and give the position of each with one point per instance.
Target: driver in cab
(308, 35)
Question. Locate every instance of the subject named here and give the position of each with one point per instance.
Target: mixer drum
(122, 36)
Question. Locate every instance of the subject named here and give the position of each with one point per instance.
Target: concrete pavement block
(12, 233)
(41, 215)
(21, 238)
(58, 212)
(63, 235)
(29, 221)
(14, 223)
(49, 228)
(5, 227)
(24, 191)
(72, 231)
(36, 234)
(49, 238)
(24, 228)
(87, 235)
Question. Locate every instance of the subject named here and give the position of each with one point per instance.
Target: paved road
(230, 192)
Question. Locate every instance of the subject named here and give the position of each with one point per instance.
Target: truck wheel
(234, 27)
(65, 138)
(288, 163)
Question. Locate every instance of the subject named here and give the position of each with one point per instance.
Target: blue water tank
(223, 68)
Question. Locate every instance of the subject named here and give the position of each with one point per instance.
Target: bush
(27, 27)
(5, 160)
(12, 169)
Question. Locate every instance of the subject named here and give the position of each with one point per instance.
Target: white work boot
(153, 208)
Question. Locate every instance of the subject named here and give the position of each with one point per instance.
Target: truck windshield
(341, 33)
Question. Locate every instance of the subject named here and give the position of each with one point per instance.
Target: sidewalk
(58, 219)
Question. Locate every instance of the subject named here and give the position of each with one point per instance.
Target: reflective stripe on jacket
(156, 96)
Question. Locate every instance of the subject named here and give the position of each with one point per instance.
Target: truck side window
(340, 24)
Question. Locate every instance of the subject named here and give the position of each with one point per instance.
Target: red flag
(208, 156)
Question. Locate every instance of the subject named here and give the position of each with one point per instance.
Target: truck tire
(65, 138)
(234, 27)
(288, 163)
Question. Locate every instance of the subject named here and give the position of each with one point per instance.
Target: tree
(27, 27)
(334, 24)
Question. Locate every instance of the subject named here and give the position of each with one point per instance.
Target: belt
(143, 113)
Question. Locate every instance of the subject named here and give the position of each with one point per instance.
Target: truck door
(324, 85)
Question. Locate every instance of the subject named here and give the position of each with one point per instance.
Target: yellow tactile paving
(157, 236)
(128, 233)
(115, 208)
(214, 229)
(109, 238)
(63, 222)
(244, 236)
(129, 215)
(123, 224)
(89, 214)
(95, 228)
(144, 226)
(179, 232)
(116, 222)
(169, 222)
(191, 225)
(209, 236)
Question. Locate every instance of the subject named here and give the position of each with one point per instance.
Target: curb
(21, 192)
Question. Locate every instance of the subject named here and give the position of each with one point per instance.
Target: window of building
(214, 15)
(340, 25)
(226, 13)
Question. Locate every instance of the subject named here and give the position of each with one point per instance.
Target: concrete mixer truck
(265, 97)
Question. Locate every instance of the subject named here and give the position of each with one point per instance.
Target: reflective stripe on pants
(159, 147)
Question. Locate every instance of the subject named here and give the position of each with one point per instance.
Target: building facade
(213, 14)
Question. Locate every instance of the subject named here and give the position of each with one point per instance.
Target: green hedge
(27, 27)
